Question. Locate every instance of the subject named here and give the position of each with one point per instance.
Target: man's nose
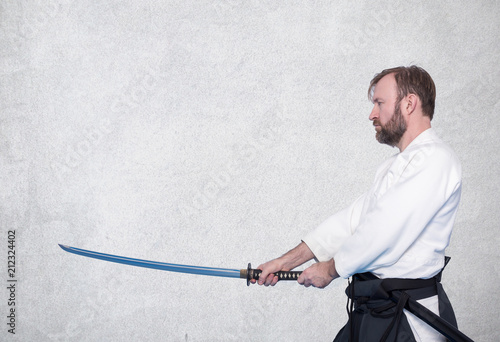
(373, 114)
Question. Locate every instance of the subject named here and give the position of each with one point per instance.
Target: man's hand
(319, 274)
(288, 261)
(269, 268)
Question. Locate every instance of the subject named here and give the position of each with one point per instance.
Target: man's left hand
(319, 274)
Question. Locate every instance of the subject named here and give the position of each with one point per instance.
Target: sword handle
(251, 273)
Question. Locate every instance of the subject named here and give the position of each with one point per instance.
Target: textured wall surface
(217, 133)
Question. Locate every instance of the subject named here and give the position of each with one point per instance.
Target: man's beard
(392, 132)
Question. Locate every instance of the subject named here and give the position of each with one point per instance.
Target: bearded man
(396, 233)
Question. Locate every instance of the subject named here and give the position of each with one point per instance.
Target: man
(399, 229)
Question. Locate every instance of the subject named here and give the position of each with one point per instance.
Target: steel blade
(200, 270)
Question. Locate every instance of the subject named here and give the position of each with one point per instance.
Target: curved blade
(200, 270)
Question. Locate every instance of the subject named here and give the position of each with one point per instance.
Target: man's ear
(411, 101)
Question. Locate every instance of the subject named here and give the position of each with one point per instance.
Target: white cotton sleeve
(328, 237)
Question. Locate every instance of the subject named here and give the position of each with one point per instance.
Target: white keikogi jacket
(402, 225)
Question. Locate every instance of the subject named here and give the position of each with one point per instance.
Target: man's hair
(411, 80)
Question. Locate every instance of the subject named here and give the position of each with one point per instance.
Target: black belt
(384, 289)
(404, 293)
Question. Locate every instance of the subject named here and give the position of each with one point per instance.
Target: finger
(269, 279)
(304, 280)
(263, 279)
(301, 279)
(263, 275)
(305, 283)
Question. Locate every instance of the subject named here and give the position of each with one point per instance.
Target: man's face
(386, 114)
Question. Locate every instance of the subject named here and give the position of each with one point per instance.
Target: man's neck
(411, 134)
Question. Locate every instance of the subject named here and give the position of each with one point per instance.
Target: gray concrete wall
(218, 133)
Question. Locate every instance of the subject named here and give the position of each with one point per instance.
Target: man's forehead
(385, 88)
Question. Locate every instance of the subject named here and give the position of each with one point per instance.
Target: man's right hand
(287, 262)
(269, 268)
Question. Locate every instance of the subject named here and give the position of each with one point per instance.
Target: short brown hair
(411, 80)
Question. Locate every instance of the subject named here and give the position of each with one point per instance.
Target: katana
(451, 332)
(249, 273)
